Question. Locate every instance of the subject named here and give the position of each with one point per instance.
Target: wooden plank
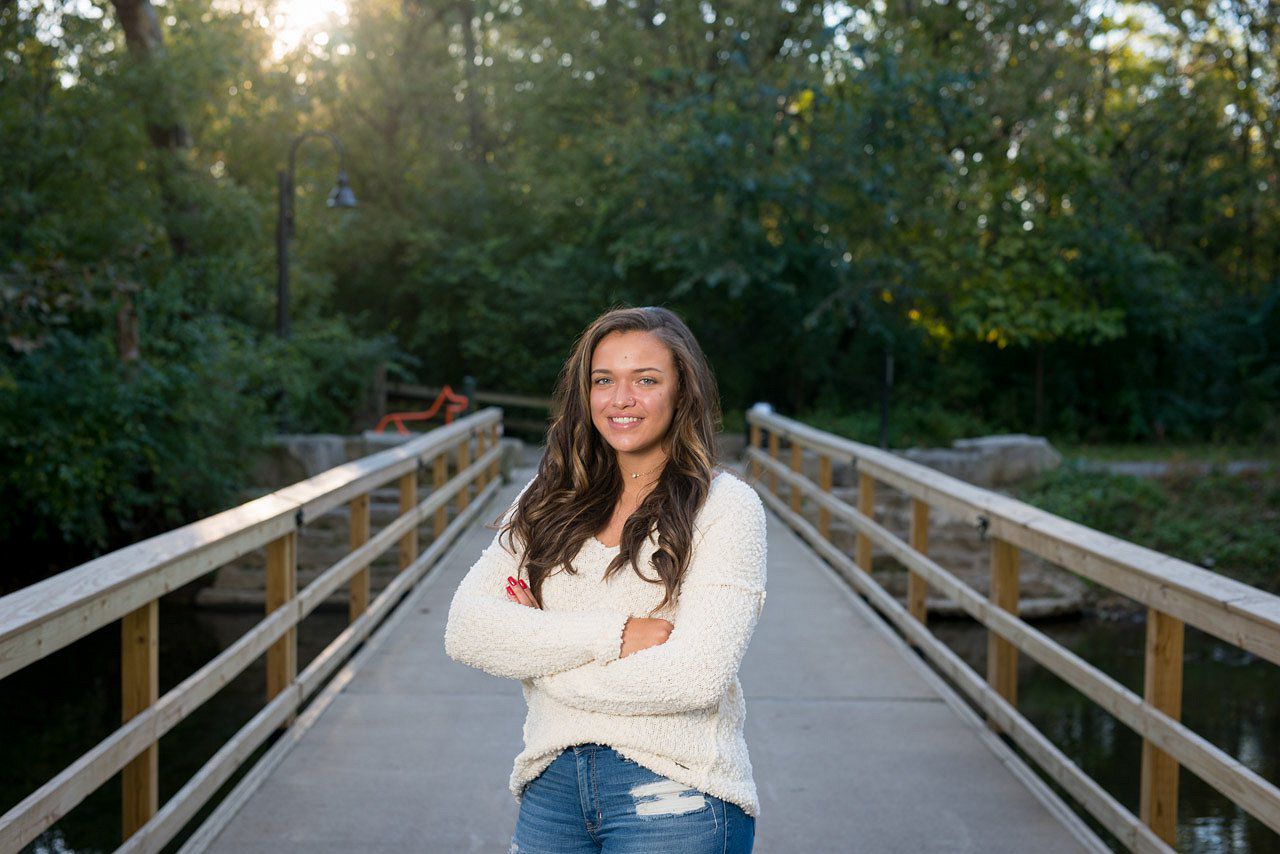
(774, 439)
(464, 460)
(1002, 656)
(1097, 801)
(1235, 612)
(753, 441)
(867, 507)
(440, 475)
(358, 599)
(50, 614)
(1225, 773)
(917, 587)
(139, 690)
(797, 466)
(282, 587)
(408, 501)
(495, 468)
(1158, 803)
(824, 483)
(481, 438)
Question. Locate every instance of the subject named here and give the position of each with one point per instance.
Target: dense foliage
(1057, 216)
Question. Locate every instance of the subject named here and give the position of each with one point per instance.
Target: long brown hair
(578, 483)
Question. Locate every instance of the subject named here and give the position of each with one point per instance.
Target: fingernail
(510, 592)
(522, 584)
(512, 580)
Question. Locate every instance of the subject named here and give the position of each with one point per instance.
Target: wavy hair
(578, 482)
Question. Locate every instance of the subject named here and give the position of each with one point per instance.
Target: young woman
(630, 584)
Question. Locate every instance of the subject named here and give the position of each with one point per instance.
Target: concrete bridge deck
(856, 745)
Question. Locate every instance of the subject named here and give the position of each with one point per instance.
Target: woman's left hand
(518, 591)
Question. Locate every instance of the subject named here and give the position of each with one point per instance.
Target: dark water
(1230, 698)
(55, 710)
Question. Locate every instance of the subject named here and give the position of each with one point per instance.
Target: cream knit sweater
(676, 708)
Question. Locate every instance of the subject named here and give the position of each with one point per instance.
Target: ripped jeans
(591, 800)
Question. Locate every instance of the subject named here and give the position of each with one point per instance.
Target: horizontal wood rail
(126, 585)
(1174, 591)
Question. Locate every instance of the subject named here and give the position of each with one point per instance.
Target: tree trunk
(146, 42)
(165, 128)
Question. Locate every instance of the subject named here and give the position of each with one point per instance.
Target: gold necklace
(650, 471)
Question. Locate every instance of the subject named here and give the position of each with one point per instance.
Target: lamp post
(340, 197)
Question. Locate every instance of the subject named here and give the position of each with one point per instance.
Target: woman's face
(633, 391)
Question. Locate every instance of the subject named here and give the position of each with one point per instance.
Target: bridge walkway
(856, 744)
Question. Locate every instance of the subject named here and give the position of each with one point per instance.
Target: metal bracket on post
(298, 519)
(983, 524)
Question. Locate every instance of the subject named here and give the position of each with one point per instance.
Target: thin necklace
(650, 471)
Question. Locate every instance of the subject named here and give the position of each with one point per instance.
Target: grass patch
(924, 425)
(1230, 524)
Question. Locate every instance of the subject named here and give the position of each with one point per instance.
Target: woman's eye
(601, 380)
(649, 380)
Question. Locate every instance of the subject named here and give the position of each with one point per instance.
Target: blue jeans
(591, 800)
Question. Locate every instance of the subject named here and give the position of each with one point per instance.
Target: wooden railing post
(139, 690)
(1162, 688)
(774, 445)
(483, 480)
(917, 587)
(282, 587)
(867, 507)
(494, 468)
(1002, 656)
(797, 466)
(754, 440)
(408, 501)
(439, 477)
(824, 481)
(358, 600)
(464, 460)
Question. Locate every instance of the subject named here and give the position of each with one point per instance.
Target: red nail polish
(509, 590)
(522, 584)
(512, 580)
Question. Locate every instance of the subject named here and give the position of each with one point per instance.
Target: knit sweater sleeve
(488, 631)
(719, 605)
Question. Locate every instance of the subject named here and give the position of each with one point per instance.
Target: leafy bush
(923, 424)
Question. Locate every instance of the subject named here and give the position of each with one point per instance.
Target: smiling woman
(293, 20)
(634, 575)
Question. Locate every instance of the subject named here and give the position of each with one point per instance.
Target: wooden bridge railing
(126, 585)
(1175, 593)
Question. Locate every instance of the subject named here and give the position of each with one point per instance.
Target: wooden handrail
(1174, 591)
(128, 583)
(44, 617)
(1235, 612)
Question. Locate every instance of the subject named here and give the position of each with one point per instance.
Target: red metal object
(453, 405)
